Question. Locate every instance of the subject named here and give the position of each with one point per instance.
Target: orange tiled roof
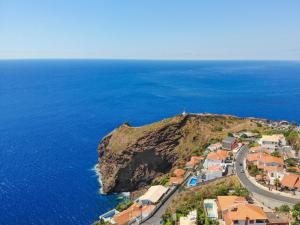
(218, 156)
(147, 209)
(290, 180)
(176, 180)
(255, 156)
(226, 202)
(195, 160)
(271, 168)
(127, 215)
(179, 172)
(257, 149)
(223, 153)
(132, 212)
(213, 156)
(264, 158)
(243, 211)
(272, 159)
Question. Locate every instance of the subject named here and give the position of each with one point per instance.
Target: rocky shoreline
(131, 158)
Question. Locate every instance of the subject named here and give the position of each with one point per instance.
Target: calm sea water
(53, 114)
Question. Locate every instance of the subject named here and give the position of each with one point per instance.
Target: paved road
(156, 218)
(279, 199)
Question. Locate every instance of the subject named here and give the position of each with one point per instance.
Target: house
(194, 161)
(133, 213)
(190, 219)
(274, 173)
(229, 143)
(216, 158)
(236, 210)
(291, 181)
(263, 160)
(224, 202)
(271, 165)
(272, 142)
(153, 195)
(259, 148)
(214, 147)
(179, 172)
(108, 216)
(178, 177)
(213, 172)
(277, 219)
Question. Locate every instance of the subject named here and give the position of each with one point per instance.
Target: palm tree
(277, 183)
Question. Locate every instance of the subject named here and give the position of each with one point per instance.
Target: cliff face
(130, 157)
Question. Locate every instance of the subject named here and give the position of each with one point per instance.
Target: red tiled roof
(179, 172)
(290, 180)
(195, 160)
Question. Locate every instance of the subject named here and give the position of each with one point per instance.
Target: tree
(277, 183)
(283, 208)
(296, 213)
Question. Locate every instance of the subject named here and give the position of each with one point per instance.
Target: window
(235, 222)
(251, 221)
(260, 221)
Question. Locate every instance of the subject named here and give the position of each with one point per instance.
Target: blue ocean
(53, 113)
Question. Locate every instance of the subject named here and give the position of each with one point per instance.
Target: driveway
(273, 199)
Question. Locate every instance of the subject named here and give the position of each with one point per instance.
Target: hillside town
(266, 161)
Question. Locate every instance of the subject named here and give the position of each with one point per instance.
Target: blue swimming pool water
(53, 114)
(193, 182)
(208, 205)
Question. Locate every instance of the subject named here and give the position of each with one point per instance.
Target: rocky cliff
(131, 157)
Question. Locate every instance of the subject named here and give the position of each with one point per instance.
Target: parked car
(242, 171)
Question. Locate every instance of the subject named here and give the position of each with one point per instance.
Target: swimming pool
(211, 208)
(193, 181)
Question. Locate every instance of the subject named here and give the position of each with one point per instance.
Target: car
(241, 164)
(242, 171)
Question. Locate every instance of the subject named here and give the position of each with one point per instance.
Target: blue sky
(150, 29)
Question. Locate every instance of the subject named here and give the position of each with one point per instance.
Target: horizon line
(141, 59)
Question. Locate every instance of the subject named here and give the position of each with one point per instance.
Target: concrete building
(153, 195)
(229, 143)
(272, 142)
(216, 158)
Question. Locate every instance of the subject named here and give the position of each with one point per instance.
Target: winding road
(275, 198)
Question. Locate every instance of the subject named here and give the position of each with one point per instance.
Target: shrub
(291, 162)
(253, 170)
(217, 129)
(124, 205)
(283, 208)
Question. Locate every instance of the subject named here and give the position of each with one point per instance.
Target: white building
(272, 142)
(153, 195)
(213, 172)
(190, 219)
(214, 147)
(215, 158)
